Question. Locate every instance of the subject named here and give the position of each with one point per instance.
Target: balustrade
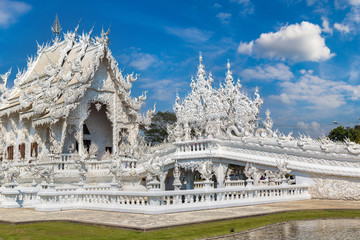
(163, 201)
(196, 146)
(234, 183)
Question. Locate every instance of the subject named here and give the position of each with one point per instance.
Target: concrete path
(146, 222)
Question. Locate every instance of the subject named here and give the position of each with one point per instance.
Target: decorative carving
(250, 171)
(116, 169)
(331, 187)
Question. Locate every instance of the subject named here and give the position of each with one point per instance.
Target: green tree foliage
(341, 133)
(157, 131)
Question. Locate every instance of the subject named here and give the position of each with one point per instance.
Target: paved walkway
(150, 222)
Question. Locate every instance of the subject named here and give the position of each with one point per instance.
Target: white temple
(70, 139)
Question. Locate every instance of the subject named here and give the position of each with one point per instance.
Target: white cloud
(354, 2)
(318, 93)
(142, 61)
(351, 21)
(296, 42)
(246, 48)
(10, 11)
(313, 126)
(224, 17)
(303, 71)
(268, 72)
(326, 26)
(342, 28)
(163, 89)
(192, 35)
(247, 7)
(284, 98)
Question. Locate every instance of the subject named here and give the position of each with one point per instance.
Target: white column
(115, 129)
(162, 178)
(220, 173)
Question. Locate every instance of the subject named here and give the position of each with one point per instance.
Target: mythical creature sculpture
(47, 173)
(352, 147)
(10, 172)
(80, 165)
(250, 171)
(206, 170)
(116, 169)
(283, 169)
(155, 166)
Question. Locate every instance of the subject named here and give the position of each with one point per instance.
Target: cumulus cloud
(342, 28)
(326, 26)
(10, 11)
(192, 35)
(142, 61)
(318, 93)
(246, 48)
(296, 42)
(268, 72)
(224, 17)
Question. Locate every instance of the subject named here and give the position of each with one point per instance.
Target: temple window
(108, 149)
(10, 152)
(86, 129)
(22, 150)
(87, 144)
(34, 149)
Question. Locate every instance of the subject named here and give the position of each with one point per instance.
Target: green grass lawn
(65, 230)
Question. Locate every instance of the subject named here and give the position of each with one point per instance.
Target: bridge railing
(155, 202)
(196, 145)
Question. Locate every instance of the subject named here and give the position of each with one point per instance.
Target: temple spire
(56, 29)
(229, 78)
(201, 70)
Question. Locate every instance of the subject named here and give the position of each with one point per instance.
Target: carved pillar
(63, 135)
(80, 137)
(115, 126)
(189, 180)
(80, 128)
(177, 183)
(162, 178)
(220, 173)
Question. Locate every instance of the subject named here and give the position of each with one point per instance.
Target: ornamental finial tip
(200, 57)
(56, 27)
(228, 64)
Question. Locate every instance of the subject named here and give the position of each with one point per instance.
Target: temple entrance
(98, 129)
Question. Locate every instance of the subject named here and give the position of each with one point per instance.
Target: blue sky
(302, 54)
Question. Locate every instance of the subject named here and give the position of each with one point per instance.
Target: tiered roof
(59, 75)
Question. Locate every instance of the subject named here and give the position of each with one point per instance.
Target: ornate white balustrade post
(11, 195)
(48, 198)
(154, 185)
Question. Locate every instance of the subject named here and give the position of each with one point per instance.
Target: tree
(340, 134)
(157, 131)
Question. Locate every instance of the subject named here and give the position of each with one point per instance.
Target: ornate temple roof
(59, 75)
